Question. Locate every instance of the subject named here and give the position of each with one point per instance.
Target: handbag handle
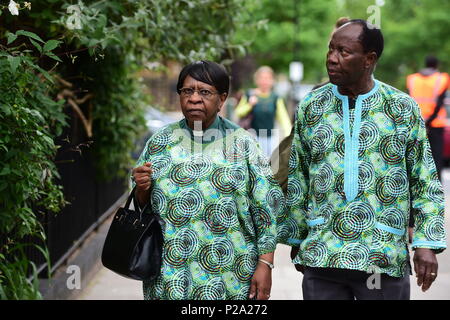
(131, 196)
(135, 203)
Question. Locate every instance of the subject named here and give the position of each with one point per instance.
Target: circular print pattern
(244, 266)
(435, 228)
(392, 149)
(356, 218)
(213, 257)
(160, 165)
(184, 206)
(221, 216)
(179, 249)
(323, 179)
(368, 135)
(366, 175)
(321, 141)
(354, 256)
(227, 180)
(315, 253)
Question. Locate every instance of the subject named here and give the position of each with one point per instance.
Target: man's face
(346, 61)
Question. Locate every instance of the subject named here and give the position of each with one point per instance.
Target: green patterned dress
(219, 201)
(354, 176)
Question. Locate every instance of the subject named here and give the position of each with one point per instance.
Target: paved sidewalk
(286, 281)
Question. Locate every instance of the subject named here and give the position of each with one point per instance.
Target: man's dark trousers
(344, 284)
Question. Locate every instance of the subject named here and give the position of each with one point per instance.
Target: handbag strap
(131, 196)
(135, 203)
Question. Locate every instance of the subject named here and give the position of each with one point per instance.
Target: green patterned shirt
(219, 201)
(354, 176)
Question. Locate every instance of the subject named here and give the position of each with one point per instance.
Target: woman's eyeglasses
(204, 93)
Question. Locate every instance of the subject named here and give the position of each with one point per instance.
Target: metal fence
(90, 204)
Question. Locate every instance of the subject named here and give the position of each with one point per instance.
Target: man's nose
(332, 57)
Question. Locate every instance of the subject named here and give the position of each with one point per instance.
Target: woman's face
(198, 108)
(264, 81)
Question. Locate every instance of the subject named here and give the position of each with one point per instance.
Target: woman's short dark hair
(371, 37)
(208, 72)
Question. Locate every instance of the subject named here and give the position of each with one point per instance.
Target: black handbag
(133, 245)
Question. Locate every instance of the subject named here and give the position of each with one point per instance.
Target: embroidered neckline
(352, 139)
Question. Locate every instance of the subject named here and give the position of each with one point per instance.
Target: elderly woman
(212, 186)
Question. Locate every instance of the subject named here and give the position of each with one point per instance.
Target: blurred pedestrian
(260, 107)
(428, 87)
(360, 161)
(214, 189)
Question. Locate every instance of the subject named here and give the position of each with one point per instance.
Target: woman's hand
(253, 100)
(261, 282)
(142, 177)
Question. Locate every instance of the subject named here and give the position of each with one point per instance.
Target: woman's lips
(195, 111)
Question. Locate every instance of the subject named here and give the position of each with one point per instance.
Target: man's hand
(425, 267)
(142, 177)
(294, 252)
(261, 282)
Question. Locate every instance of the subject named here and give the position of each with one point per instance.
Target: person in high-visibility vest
(428, 87)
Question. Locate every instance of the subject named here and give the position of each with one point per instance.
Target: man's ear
(371, 60)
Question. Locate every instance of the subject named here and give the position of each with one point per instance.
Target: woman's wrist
(269, 264)
(142, 196)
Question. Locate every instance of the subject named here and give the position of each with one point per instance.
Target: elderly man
(360, 161)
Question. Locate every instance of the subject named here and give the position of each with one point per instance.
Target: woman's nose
(195, 97)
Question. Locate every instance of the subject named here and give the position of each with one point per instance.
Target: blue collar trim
(352, 140)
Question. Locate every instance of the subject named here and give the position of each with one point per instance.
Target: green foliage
(14, 270)
(159, 30)
(275, 43)
(119, 105)
(29, 120)
(412, 30)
